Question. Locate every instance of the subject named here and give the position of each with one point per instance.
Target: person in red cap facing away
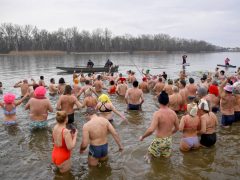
(122, 87)
(213, 97)
(9, 106)
(39, 107)
(144, 85)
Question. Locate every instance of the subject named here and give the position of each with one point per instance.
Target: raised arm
(18, 84)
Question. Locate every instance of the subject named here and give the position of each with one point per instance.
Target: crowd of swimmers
(197, 103)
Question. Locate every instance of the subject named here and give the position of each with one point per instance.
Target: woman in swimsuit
(208, 122)
(189, 125)
(64, 141)
(9, 108)
(106, 108)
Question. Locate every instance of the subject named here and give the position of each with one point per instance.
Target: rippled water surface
(27, 155)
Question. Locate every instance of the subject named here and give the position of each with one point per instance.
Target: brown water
(27, 155)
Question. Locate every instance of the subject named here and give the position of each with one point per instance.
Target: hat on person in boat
(9, 98)
(228, 88)
(213, 89)
(236, 88)
(104, 98)
(40, 92)
(203, 105)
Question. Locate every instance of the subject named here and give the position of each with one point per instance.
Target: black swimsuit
(106, 109)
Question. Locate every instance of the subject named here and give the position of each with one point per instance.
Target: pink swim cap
(9, 98)
(40, 92)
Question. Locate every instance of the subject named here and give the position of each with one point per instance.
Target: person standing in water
(165, 122)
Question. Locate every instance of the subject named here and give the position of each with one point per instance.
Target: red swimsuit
(60, 154)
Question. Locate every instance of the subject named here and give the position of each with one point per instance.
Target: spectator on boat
(64, 141)
(184, 59)
(90, 64)
(95, 134)
(108, 64)
(227, 60)
(9, 106)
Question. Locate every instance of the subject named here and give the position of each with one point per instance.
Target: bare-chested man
(131, 77)
(41, 81)
(66, 103)
(168, 87)
(159, 86)
(39, 107)
(165, 123)
(95, 132)
(134, 97)
(98, 84)
(144, 85)
(122, 88)
(213, 97)
(53, 89)
(191, 90)
(25, 87)
(175, 100)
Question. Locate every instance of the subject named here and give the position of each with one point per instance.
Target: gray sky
(215, 21)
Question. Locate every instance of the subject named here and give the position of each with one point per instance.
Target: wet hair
(112, 74)
(61, 116)
(61, 81)
(222, 72)
(112, 83)
(87, 82)
(99, 77)
(135, 83)
(42, 77)
(183, 82)
(120, 75)
(52, 80)
(163, 98)
(191, 80)
(89, 74)
(67, 90)
(35, 86)
(160, 79)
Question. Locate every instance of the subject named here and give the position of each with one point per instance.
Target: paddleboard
(186, 64)
(227, 66)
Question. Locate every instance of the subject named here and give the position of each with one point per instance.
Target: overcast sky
(215, 21)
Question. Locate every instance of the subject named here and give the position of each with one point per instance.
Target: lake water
(27, 155)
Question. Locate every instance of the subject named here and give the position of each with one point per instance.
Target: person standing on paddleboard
(184, 58)
(227, 61)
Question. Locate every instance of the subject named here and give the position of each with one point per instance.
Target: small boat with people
(84, 69)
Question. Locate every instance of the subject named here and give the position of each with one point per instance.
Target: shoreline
(60, 53)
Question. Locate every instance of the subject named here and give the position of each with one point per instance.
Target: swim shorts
(134, 106)
(98, 151)
(208, 139)
(71, 118)
(161, 147)
(227, 120)
(237, 115)
(38, 124)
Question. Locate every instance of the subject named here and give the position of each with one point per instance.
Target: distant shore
(60, 53)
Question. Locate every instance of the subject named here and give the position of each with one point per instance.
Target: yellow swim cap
(104, 98)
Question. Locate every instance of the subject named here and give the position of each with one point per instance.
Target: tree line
(15, 37)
